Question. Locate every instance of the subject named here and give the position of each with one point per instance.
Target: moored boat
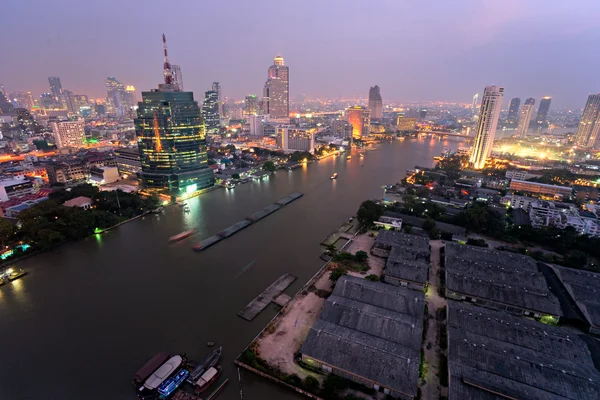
(171, 384)
(349, 157)
(149, 367)
(334, 176)
(159, 376)
(182, 235)
(208, 378)
(210, 361)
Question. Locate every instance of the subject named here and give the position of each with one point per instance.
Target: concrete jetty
(261, 301)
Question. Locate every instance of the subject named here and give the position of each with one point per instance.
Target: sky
(415, 50)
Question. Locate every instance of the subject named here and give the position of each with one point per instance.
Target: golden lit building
(360, 119)
(406, 124)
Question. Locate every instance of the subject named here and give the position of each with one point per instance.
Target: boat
(186, 209)
(348, 158)
(11, 274)
(171, 384)
(158, 210)
(159, 376)
(362, 155)
(230, 185)
(208, 378)
(147, 369)
(182, 204)
(334, 176)
(182, 235)
(210, 361)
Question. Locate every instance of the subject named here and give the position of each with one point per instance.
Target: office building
(114, 96)
(360, 119)
(257, 127)
(375, 104)
(171, 139)
(5, 105)
(128, 161)
(55, 91)
(491, 104)
(542, 189)
(216, 87)
(177, 77)
(81, 101)
(474, 103)
(251, 106)
(292, 139)
(12, 188)
(542, 114)
(68, 101)
(341, 129)
(276, 96)
(513, 111)
(525, 118)
(68, 133)
(405, 124)
(46, 101)
(210, 111)
(422, 114)
(128, 99)
(67, 171)
(22, 100)
(589, 126)
(370, 333)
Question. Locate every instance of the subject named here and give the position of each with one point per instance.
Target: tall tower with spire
(276, 94)
(171, 139)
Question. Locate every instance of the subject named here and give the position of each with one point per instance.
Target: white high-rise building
(525, 117)
(216, 86)
(491, 103)
(257, 127)
(474, 104)
(292, 139)
(276, 96)
(68, 133)
(177, 77)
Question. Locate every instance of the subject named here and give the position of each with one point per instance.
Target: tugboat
(182, 235)
(208, 378)
(210, 361)
(334, 176)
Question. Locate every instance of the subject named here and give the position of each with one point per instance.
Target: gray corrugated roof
(584, 287)
(390, 238)
(515, 356)
(400, 268)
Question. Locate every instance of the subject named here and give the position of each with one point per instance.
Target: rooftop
(372, 330)
(400, 266)
(584, 288)
(494, 355)
(390, 238)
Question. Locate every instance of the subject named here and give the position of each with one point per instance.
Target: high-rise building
(177, 77)
(210, 111)
(68, 101)
(360, 119)
(68, 133)
(295, 139)
(589, 126)
(81, 101)
(341, 129)
(55, 87)
(251, 105)
(525, 118)
(405, 124)
(422, 114)
(513, 110)
(171, 139)
(491, 104)
(474, 104)
(47, 101)
(128, 98)
(114, 96)
(22, 100)
(216, 87)
(542, 114)
(375, 103)
(256, 125)
(5, 105)
(276, 95)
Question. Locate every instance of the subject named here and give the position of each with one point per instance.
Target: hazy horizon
(416, 52)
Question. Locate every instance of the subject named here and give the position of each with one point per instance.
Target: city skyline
(556, 28)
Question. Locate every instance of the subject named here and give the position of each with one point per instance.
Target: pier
(269, 295)
(238, 226)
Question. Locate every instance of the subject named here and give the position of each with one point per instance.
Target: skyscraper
(22, 99)
(216, 87)
(128, 100)
(375, 104)
(589, 126)
(491, 103)
(276, 96)
(542, 115)
(474, 104)
(251, 105)
(114, 96)
(513, 110)
(68, 100)
(210, 111)
(177, 77)
(525, 118)
(360, 119)
(55, 86)
(68, 133)
(171, 139)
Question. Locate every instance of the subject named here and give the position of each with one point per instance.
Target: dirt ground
(279, 344)
(364, 242)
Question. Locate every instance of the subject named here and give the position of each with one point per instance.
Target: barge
(182, 235)
(257, 216)
(206, 243)
(288, 199)
(11, 274)
(235, 228)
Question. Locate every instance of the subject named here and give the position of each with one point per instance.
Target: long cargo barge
(238, 226)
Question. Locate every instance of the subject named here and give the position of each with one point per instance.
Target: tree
(361, 256)
(269, 166)
(235, 176)
(337, 274)
(407, 229)
(372, 277)
(428, 224)
(311, 384)
(368, 212)
(6, 230)
(331, 249)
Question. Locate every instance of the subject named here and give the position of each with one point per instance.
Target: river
(89, 314)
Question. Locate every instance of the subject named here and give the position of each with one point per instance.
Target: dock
(238, 226)
(261, 301)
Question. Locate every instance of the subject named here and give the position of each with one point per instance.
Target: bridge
(446, 133)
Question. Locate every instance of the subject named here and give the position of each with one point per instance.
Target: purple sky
(414, 50)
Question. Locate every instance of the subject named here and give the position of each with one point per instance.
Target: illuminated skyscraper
(177, 77)
(114, 96)
(22, 100)
(276, 96)
(375, 103)
(68, 133)
(491, 103)
(55, 86)
(589, 126)
(475, 100)
(542, 114)
(171, 139)
(210, 111)
(128, 98)
(513, 110)
(216, 87)
(360, 119)
(525, 118)
(251, 105)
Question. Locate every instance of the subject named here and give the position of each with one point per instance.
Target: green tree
(361, 256)
(428, 224)
(235, 176)
(7, 230)
(368, 212)
(311, 384)
(407, 229)
(269, 166)
(337, 274)
(372, 277)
